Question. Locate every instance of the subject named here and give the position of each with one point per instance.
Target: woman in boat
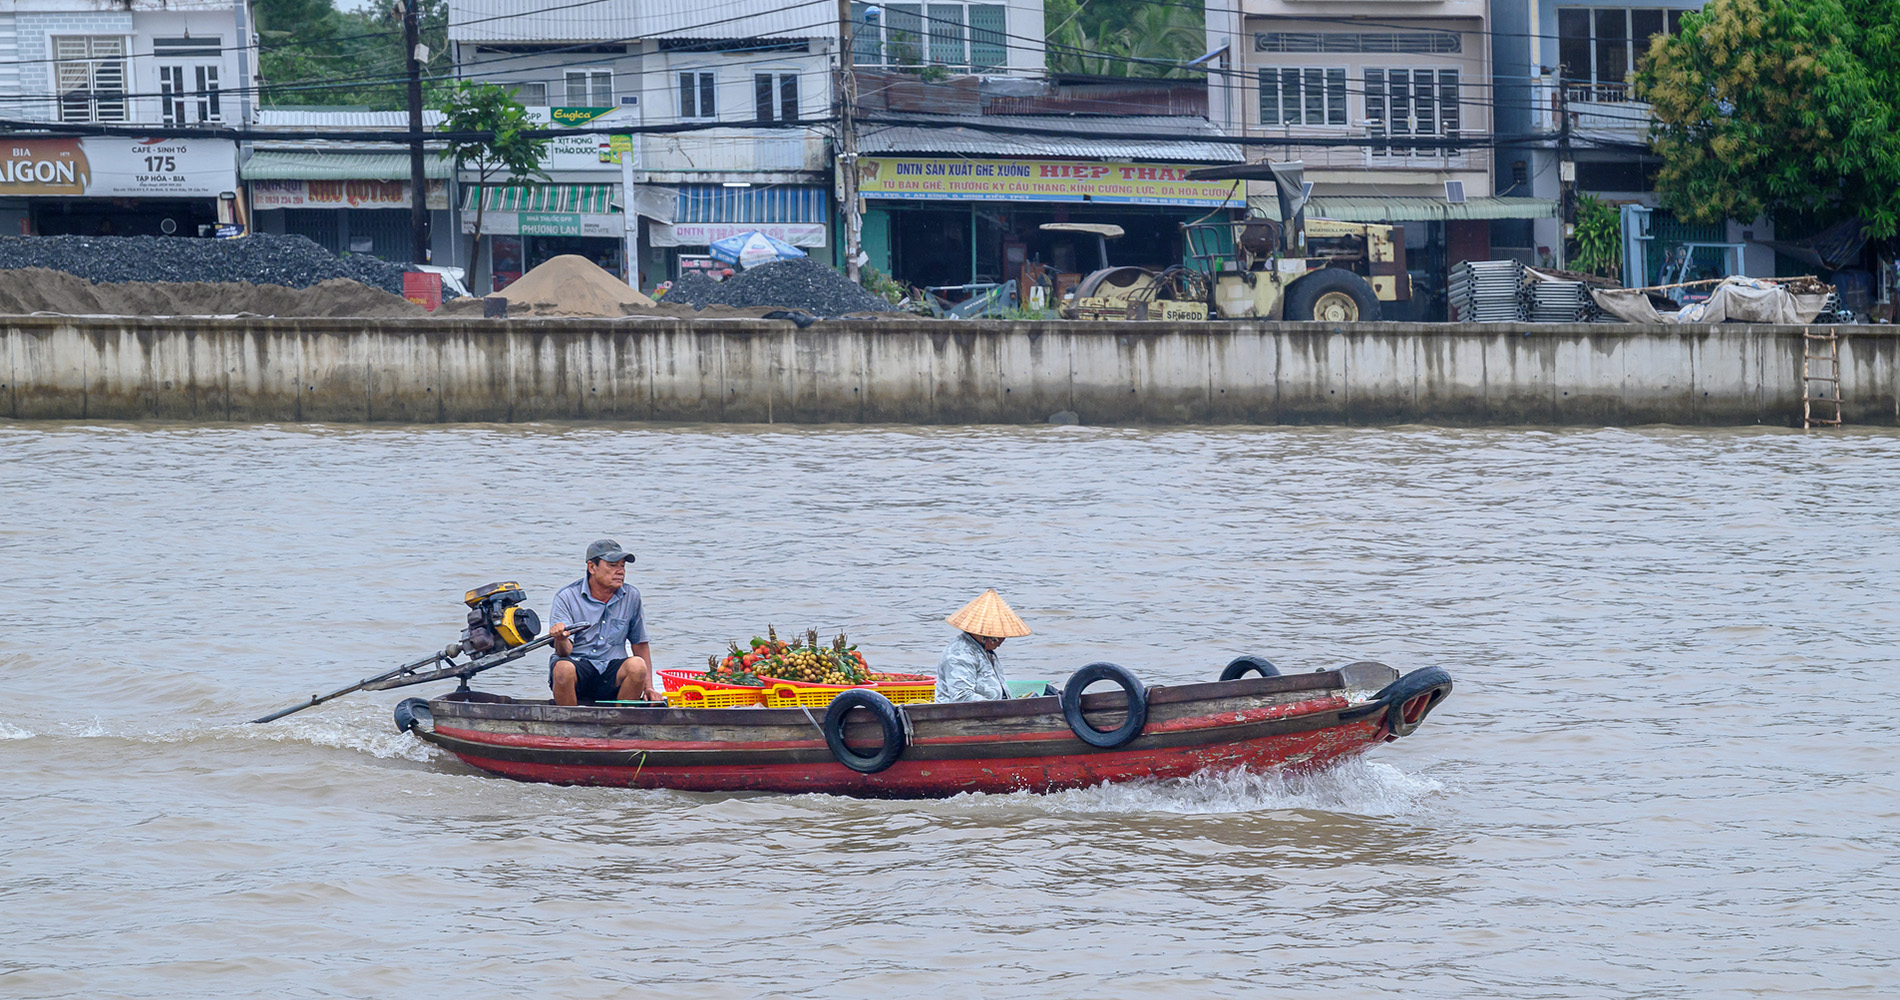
(968, 670)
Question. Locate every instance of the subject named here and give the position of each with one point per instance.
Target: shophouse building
(1564, 71)
(953, 105)
(1389, 105)
(175, 67)
(971, 147)
(351, 195)
(966, 198)
(740, 96)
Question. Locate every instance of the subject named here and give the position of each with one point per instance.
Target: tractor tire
(1332, 295)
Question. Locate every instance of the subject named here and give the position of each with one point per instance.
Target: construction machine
(1293, 268)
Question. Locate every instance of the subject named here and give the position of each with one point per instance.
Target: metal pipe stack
(1486, 291)
(1555, 301)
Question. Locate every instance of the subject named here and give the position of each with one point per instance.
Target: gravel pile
(292, 261)
(799, 283)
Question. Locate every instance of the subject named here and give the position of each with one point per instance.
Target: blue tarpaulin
(751, 248)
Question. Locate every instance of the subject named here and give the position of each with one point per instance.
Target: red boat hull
(931, 779)
(1257, 724)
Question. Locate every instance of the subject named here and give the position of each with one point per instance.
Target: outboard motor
(496, 619)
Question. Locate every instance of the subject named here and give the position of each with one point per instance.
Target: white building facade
(1389, 104)
(1565, 67)
(178, 66)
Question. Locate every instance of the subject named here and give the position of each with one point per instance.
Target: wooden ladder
(1829, 379)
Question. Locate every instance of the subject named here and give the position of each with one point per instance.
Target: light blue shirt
(968, 672)
(624, 623)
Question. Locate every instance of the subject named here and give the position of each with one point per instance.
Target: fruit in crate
(729, 671)
(809, 663)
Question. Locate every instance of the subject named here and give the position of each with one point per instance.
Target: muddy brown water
(1667, 770)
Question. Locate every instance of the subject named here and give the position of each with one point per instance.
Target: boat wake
(1355, 787)
(370, 734)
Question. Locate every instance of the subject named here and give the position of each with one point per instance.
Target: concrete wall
(247, 369)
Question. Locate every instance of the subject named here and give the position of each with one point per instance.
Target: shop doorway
(609, 253)
(125, 217)
(932, 246)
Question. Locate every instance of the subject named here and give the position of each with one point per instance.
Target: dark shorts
(594, 680)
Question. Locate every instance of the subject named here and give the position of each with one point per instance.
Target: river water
(1667, 770)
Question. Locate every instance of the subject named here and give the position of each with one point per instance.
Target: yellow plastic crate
(792, 694)
(698, 696)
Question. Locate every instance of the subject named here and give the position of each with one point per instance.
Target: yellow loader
(1259, 268)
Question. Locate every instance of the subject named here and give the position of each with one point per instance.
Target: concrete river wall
(907, 371)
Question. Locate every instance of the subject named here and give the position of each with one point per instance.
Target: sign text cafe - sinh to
(945, 221)
(116, 186)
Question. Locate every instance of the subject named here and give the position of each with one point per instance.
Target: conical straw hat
(989, 615)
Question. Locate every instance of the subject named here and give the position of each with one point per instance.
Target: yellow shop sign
(1108, 182)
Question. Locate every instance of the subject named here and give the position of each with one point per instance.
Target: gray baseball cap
(609, 550)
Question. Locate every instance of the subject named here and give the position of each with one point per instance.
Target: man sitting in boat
(968, 670)
(612, 661)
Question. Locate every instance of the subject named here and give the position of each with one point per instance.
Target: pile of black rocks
(293, 261)
(798, 283)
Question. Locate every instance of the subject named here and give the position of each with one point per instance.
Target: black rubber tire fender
(1131, 726)
(895, 724)
(1411, 698)
(1306, 292)
(1258, 664)
(411, 712)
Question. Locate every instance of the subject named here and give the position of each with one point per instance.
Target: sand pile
(34, 289)
(571, 285)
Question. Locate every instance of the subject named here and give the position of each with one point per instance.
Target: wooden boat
(860, 747)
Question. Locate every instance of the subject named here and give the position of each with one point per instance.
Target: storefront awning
(773, 203)
(545, 210)
(705, 212)
(282, 165)
(1418, 209)
(584, 199)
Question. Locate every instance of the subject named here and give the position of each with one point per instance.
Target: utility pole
(418, 182)
(1566, 174)
(848, 144)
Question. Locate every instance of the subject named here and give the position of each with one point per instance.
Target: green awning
(1417, 209)
(284, 165)
(586, 199)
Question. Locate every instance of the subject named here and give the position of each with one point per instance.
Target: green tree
(1784, 107)
(502, 149)
(1131, 38)
(310, 53)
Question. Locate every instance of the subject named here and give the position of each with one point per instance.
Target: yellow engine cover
(509, 631)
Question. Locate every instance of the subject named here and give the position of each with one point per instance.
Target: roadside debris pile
(571, 285)
(38, 290)
(292, 261)
(1734, 299)
(799, 283)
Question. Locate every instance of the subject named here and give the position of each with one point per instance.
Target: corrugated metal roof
(614, 20)
(1053, 135)
(282, 165)
(1414, 209)
(701, 19)
(381, 121)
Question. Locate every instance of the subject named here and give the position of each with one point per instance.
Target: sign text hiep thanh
(1098, 181)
